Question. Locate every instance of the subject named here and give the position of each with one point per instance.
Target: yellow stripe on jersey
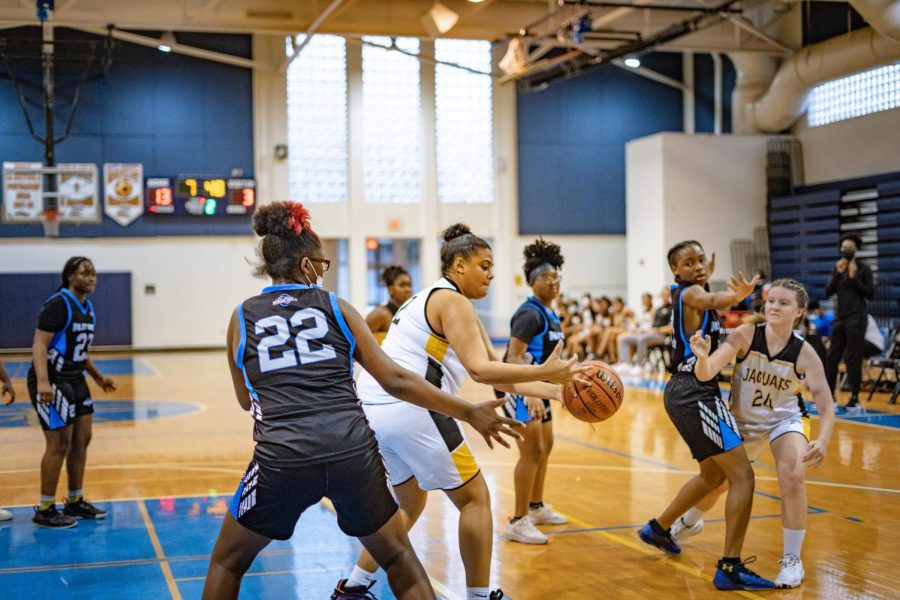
(379, 336)
(807, 430)
(465, 462)
(436, 347)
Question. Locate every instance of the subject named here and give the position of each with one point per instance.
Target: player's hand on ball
(484, 419)
(557, 370)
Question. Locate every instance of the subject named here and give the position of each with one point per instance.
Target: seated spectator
(621, 319)
(634, 346)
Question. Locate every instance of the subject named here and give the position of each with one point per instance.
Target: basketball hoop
(50, 221)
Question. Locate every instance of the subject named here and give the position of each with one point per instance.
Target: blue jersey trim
(702, 328)
(85, 308)
(344, 328)
(289, 286)
(235, 503)
(58, 341)
(240, 353)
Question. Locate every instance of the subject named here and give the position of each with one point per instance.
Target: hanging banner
(124, 186)
(23, 192)
(79, 198)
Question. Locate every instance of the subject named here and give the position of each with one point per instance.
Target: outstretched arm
(709, 365)
(738, 289)
(516, 354)
(406, 385)
(464, 331)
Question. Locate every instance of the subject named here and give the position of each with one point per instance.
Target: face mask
(320, 281)
(847, 253)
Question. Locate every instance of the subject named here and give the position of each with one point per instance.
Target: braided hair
(70, 267)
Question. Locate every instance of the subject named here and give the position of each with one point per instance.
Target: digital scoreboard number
(200, 196)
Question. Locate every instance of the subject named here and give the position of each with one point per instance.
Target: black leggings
(847, 338)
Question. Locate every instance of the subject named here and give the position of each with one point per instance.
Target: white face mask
(320, 280)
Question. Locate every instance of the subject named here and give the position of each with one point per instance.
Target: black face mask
(848, 254)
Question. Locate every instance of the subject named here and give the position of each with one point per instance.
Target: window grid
(392, 171)
(464, 123)
(317, 121)
(861, 94)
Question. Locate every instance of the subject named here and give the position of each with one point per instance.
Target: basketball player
(399, 287)
(7, 388)
(290, 351)
(535, 331)
(772, 360)
(697, 410)
(60, 394)
(438, 335)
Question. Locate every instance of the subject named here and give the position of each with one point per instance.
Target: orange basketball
(600, 400)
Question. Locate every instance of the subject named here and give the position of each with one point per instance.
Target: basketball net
(50, 221)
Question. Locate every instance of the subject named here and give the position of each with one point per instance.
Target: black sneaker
(736, 576)
(343, 591)
(83, 509)
(496, 594)
(52, 518)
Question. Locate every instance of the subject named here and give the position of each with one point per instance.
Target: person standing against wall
(852, 281)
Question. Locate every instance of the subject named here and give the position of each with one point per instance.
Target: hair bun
(455, 231)
(281, 219)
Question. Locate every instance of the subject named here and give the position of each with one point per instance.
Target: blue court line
(635, 527)
(854, 519)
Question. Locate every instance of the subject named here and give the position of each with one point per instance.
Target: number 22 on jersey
(302, 350)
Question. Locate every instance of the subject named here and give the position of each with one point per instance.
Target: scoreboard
(200, 196)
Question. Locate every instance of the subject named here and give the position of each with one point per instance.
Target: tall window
(465, 164)
(868, 92)
(391, 121)
(317, 121)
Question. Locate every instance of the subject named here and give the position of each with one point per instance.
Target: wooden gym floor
(171, 443)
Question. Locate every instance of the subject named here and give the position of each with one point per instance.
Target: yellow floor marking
(157, 548)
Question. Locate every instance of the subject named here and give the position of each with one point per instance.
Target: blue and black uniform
(72, 324)
(312, 437)
(539, 327)
(694, 406)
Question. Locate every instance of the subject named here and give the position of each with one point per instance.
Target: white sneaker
(681, 531)
(524, 531)
(791, 574)
(545, 516)
(622, 367)
(636, 371)
(5, 515)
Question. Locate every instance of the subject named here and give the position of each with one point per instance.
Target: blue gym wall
(572, 136)
(174, 114)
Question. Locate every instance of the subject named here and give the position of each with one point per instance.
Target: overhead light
(167, 41)
(632, 62)
(439, 19)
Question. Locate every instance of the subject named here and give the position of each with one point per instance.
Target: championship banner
(79, 198)
(23, 192)
(124, 186)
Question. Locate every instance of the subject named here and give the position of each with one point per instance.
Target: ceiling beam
(310, 32)
(152, 42)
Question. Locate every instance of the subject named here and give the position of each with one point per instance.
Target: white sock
(793, 540)
(74, 494)
(692, 515)
(360, 576)
(473, 593)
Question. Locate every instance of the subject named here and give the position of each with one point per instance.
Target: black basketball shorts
(701, 417)
(270, 500)
(71, 399)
